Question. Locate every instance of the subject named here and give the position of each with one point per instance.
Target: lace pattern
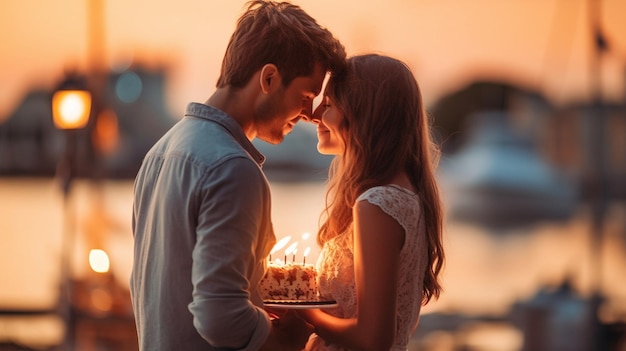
(336, 266)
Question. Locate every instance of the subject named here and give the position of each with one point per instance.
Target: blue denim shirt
(202, 230)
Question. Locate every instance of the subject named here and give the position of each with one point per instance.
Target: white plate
(298, 305)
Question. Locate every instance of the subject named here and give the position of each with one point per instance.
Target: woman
(381, 240)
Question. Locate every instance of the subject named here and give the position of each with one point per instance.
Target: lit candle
(279, 245)
(305, 238)
(306, 253)
(290, 249)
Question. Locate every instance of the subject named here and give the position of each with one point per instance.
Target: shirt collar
(220, 117)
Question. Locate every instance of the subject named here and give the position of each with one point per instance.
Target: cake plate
(300, 304)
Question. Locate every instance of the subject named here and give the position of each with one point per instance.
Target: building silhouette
(30, 145)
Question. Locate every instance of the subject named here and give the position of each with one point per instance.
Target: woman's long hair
(386, 131)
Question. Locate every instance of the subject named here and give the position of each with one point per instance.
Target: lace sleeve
(400, 204)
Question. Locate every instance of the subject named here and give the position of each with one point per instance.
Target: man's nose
(307, 112)
(311, 116)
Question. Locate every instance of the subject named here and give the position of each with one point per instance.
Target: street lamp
(71, 107)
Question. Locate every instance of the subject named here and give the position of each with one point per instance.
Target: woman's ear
(270, 78)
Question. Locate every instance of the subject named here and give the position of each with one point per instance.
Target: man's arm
(230, 210)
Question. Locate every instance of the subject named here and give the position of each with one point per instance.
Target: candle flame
(280, 244)
(306, 251)
(305, 235)
(291, 248)
(99, 261)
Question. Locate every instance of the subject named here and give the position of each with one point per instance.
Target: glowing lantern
(99, 261)
(71, 105)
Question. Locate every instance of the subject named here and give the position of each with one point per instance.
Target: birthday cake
(291, 281)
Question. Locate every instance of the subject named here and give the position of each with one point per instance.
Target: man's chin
(274, 139)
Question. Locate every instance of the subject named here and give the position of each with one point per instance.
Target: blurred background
(527, 100)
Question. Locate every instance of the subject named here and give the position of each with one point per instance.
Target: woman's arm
(378, 239)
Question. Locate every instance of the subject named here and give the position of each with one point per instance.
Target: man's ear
(270, 78)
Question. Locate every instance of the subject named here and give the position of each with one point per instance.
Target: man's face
(277, 114)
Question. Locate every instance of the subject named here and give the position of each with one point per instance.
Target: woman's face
(329, 119)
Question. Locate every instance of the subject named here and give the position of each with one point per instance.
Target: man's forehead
(318, 78)
(313, 83)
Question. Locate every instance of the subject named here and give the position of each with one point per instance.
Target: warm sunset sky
(446, 42)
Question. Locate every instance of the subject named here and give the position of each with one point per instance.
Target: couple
(201, 213)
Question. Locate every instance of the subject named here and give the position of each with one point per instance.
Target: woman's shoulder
(387, 191)
(392, 199)
(400, 203)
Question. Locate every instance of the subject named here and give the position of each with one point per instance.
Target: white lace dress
(336, 266)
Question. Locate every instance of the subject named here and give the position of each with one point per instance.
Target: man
(201, 213)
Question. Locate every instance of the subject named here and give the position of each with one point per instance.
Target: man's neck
(238, 104)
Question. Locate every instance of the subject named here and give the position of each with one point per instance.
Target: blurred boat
(499, 180)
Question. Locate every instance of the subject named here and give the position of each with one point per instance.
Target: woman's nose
(316, 116)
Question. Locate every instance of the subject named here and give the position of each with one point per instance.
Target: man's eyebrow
(315, 92)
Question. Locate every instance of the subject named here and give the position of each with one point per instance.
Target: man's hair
(284, 35)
